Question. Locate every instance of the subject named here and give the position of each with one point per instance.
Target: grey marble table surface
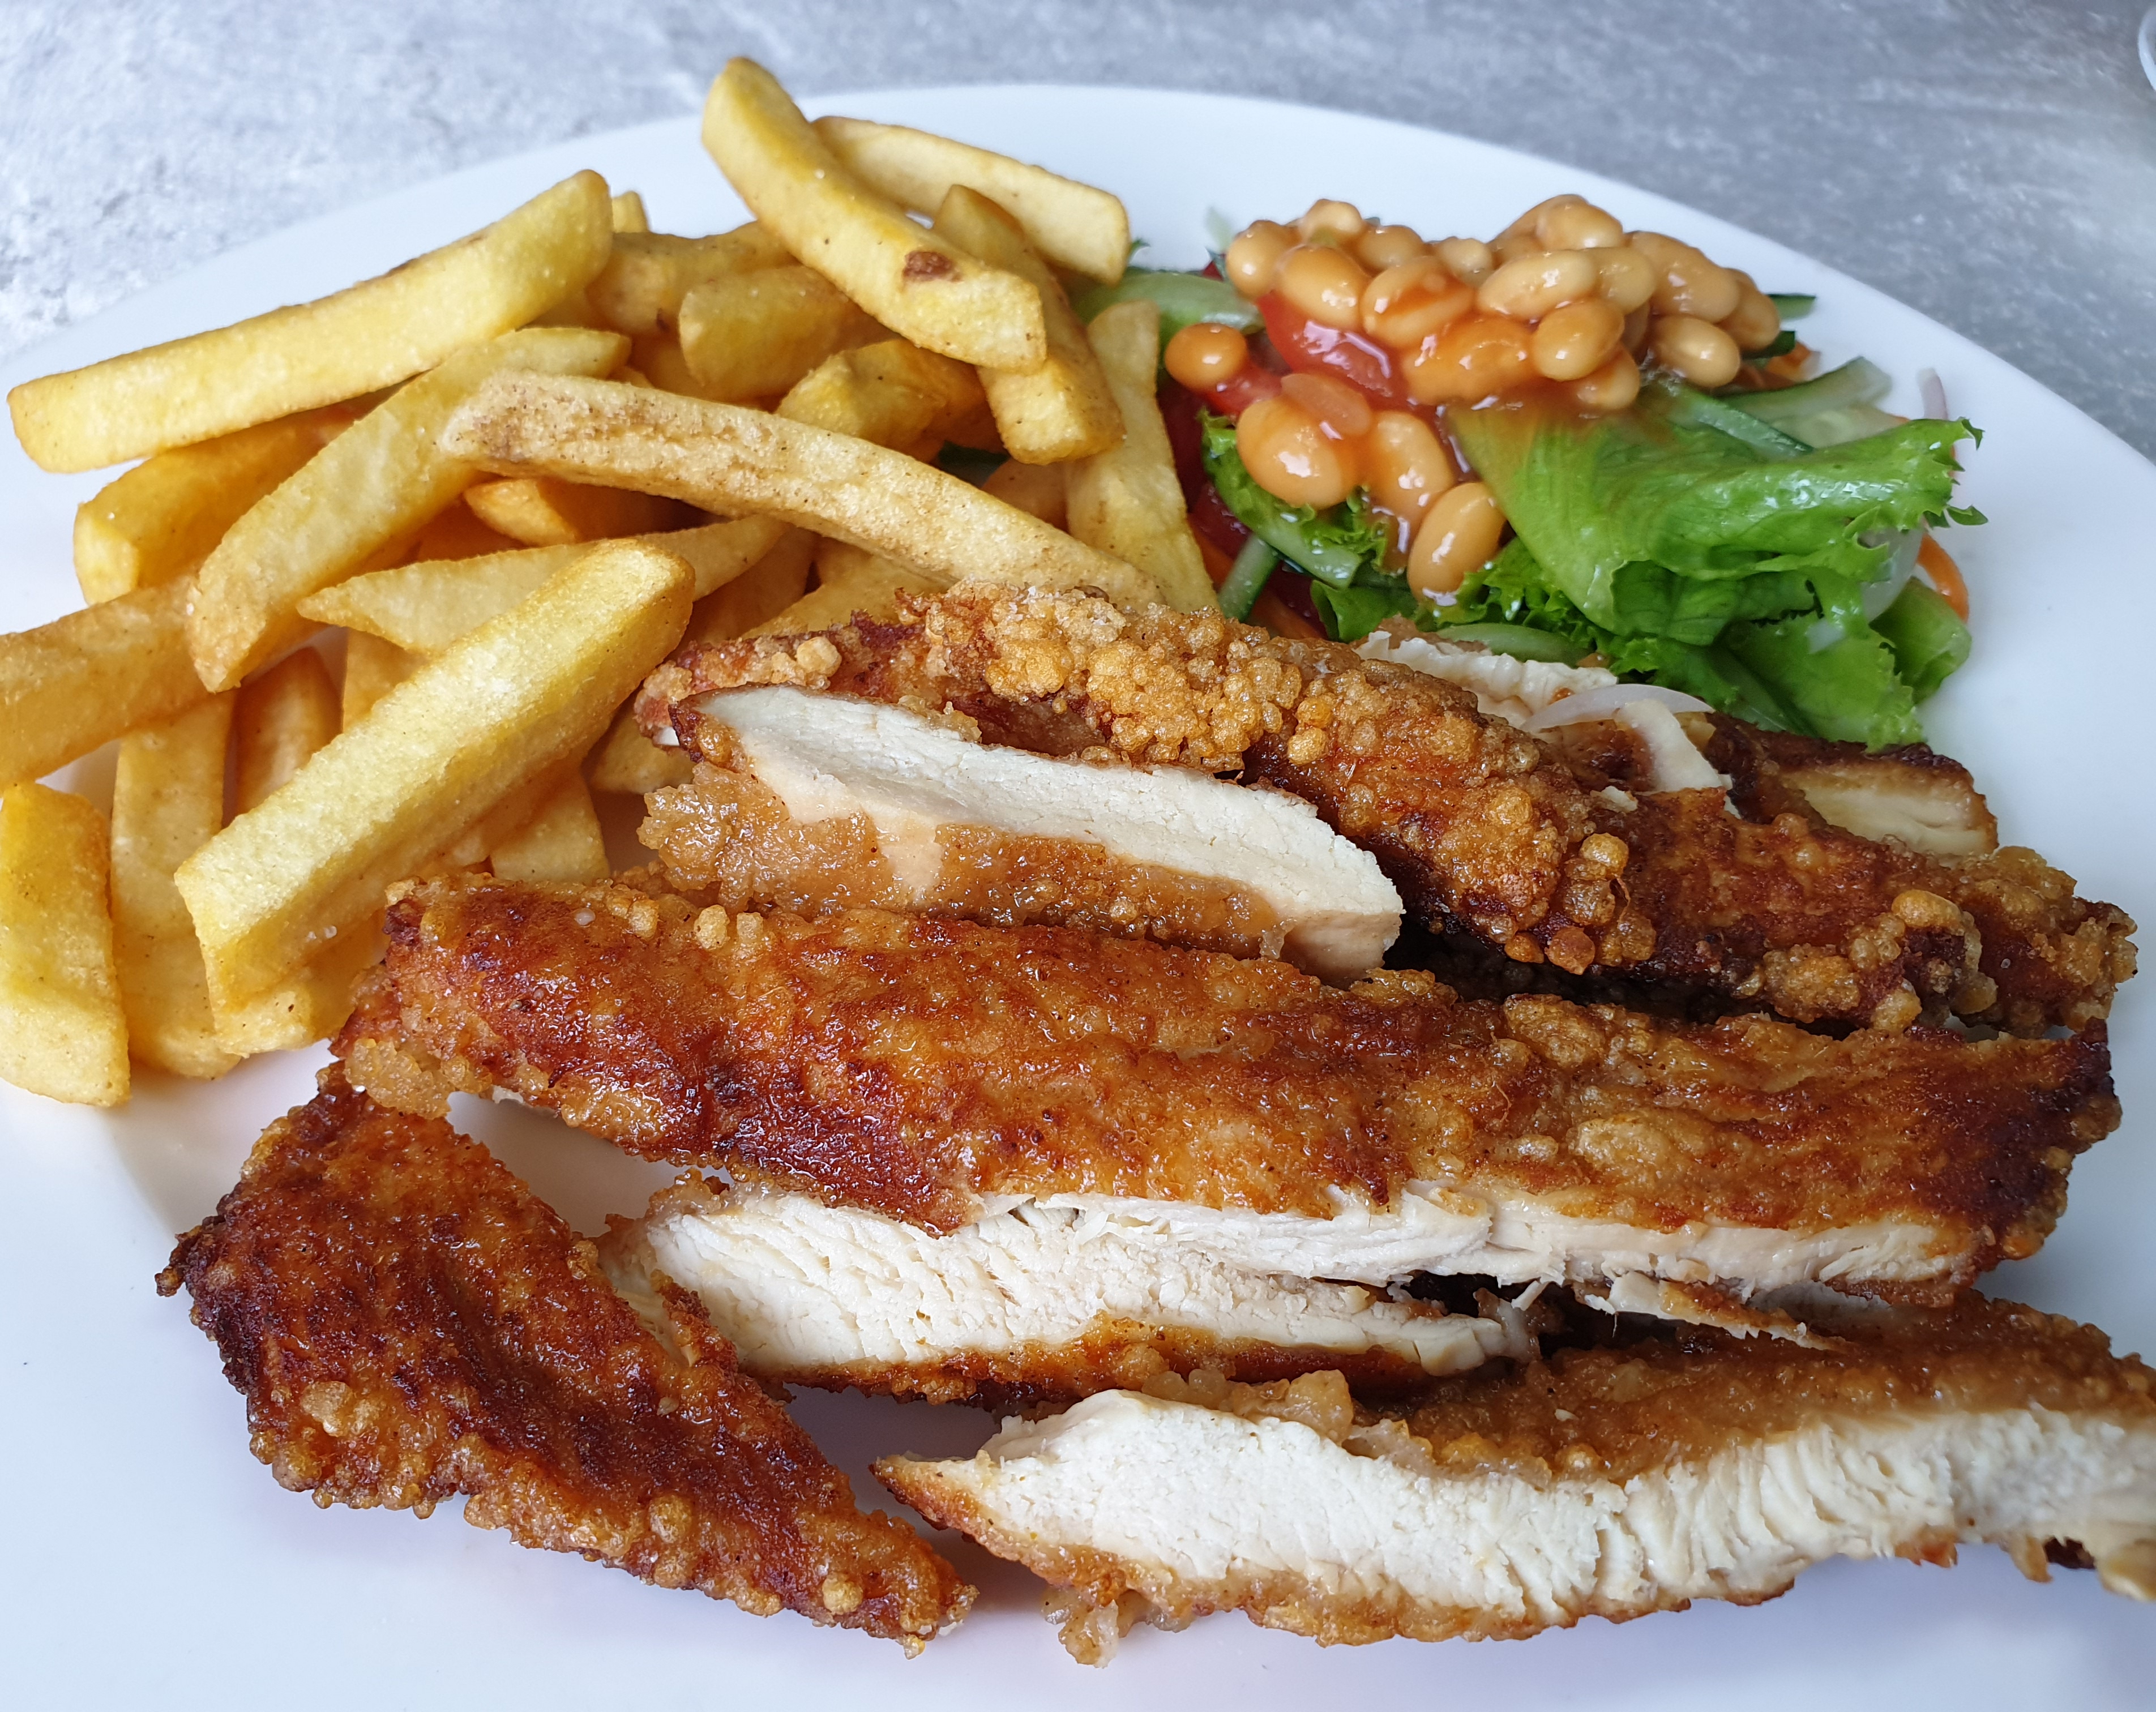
(1989, 162)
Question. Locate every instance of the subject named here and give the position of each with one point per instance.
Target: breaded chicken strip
(1605, 1482)
(409, 1324)
(929, 1069)
(1485, 830)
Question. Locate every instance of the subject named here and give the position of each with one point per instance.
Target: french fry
(629, 215)
(914, 283)
(426, 608)
(726, 458)
(1128, 501)
(849, 582)
(309, 1005)
(541, 512)
(764, 590)
(657, 356)
(456, 533)
(370, 336)
(1063, 408)
(641, 289)
(1074, 225)
(562, 843)
(283, 717)
(63, 1032)
(373, 668)
(518, 697)
(750, 335)
(378, 483)
(1042, 488)
(168, 802)
(627, 763)
(891, 392)
(161, 518)
(71, 685)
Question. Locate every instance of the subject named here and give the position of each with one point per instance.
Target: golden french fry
(628, 763)
(373, 668)
(426, 608)
(726, 458)
(521, 694)
(629, 215)
(641, 289)
(1042, 488)
(283, 717)
(541, 512)
(913, 281)
(849, 581)
(1128, 501)
(1074, 225)
(369, 335)
(308, 1005)
(456, 533)
(63, 1032)
(1063, 408)
(657, 356)
(378, 483)
(68, 686)
(168, 802)
(764, 590)
(562, 842)
(749, 335)
(160, 519)
(892, 393)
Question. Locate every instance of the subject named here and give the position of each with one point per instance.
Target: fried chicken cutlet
(409, 1324)
(1608, 1482)
(935, 1070)
(1486, 831)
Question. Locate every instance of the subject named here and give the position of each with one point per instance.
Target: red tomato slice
(1316, 349)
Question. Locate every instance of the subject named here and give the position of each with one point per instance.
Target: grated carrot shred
(1938, 564)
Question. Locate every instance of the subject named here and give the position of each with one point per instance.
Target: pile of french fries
(515, 474)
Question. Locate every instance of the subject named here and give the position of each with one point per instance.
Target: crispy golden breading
(409, 1324)
(1484, 828)
(912, 1066)
(1609, 1482)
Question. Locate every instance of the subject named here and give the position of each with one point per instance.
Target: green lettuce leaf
(1183, 298)
(1848, 690)
(1350, 614)
(1929, 640)
(1333, 545)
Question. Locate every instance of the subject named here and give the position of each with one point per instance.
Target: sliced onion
(1602, 704)
(1932, 393)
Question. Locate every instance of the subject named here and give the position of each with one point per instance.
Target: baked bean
(1459, 534)
(1697, 349)
(1342, 221)
(1637, 324)
(1340, 406)
(1613, 387)
(1324, 283)
(1577, 225)
(1383, 247)
(1290, 456)
(1755, 323)
(1547, 205)
(1530, 287)
(1467, 259)
(1254, 258)
(1574, 341)
(1478, 356)
(1204, 354)
(1690, 285)
(1512, 247)
(1404, 305)
(1405, 464)
(1625, 277)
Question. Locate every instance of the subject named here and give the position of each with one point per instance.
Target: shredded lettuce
(1183, 298)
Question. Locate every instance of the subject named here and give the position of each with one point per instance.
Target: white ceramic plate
(153, 1560)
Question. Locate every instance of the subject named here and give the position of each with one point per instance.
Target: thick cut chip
(761, 593)
(160, 519)
(284, 716)
(426, 608)
(516, 698)
(892, 393)
(850, 583)
(562, 842)
(629, 215)
(63, 1032)
(370, 336)
(914, 283)
(628, 763)
(373, 668)
(455, 533)
(168, 802)
(641, 289)
(1073, 224)
(1063, 409)
(376, 486)
(1042, 488)
(753, 336)
(543, 513)
(70, 686)
(1128, 500)
(727, 458)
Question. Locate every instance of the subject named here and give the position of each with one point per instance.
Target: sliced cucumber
(1792, 305)
(1673, 402)
(1523, 642)
(1839, 406)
